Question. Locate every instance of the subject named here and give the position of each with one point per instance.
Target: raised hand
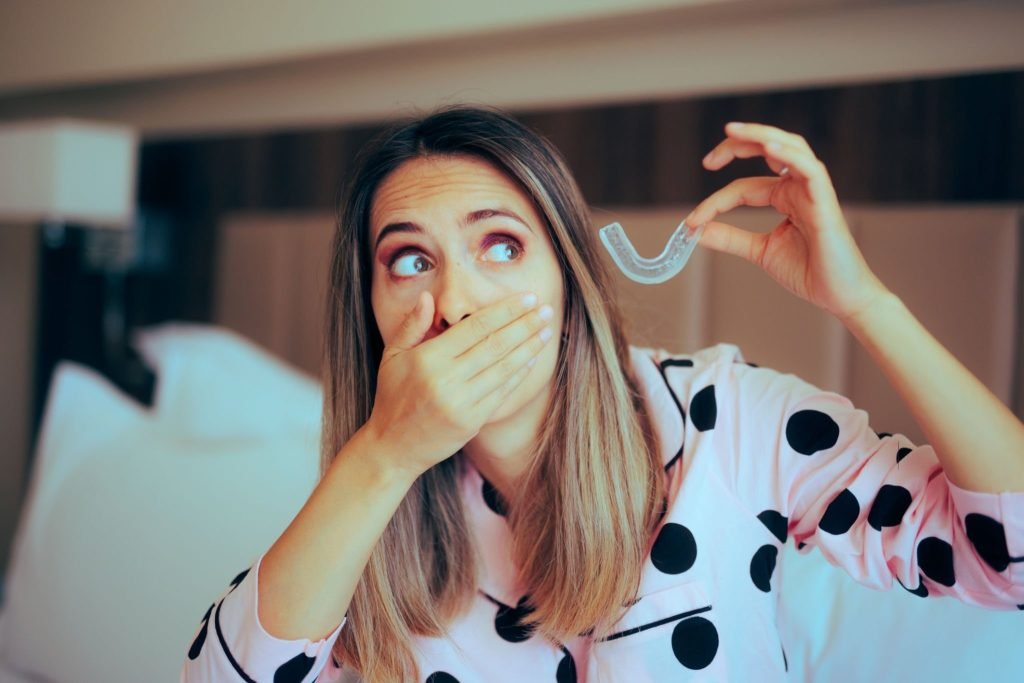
(433, 396)
(811, 252)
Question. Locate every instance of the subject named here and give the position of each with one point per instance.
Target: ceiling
(193, 67)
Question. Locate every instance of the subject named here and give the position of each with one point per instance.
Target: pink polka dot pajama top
(753, 458)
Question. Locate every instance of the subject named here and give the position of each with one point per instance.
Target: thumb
(416, 324)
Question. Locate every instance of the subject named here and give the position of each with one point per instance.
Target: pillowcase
(835, 629)
(130, 530)
(213, 383)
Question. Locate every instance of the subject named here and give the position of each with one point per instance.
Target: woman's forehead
(459, 182)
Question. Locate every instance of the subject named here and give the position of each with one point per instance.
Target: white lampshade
(68, 171)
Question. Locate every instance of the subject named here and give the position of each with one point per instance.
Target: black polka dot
(891, 503)
(753, 365)
(841, 513)
(785, 661)
(238, 579)
(1020, 607)
(197, 644)
(921, 591)
(295, 669)
(676, 363)
(493, 499)
(507, 622)
(902, 453)
(695, 642)
(704, 409)
(882, 435)
(675, 549)
(989, 539)
(334, 660)
(801, 545)
(441, 677)
(935, 558)
(810, 431)
(776, 523)
(566, 672)
(762, 566)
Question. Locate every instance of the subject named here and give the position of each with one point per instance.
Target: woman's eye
(409, 264)
(506, 249)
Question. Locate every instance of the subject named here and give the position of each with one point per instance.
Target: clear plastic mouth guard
(650, 271)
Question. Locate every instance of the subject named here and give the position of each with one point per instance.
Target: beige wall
(109, 40)
(956, 268)
(687, 49)
(18, 275)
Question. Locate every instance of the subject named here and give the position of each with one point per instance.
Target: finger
(467, 333)
(498, 373)
(759, 132)
(416, 324)
(499, 392)
(789, 149)
(729, 239)
(803, 165)
(727, 150)
(742, 192)
(496, 346)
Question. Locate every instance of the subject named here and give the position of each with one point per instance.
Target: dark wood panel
(951, 139)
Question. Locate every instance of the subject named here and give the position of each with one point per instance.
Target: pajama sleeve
(810, 467)
(231, 644)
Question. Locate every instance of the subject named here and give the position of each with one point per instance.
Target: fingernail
(545, 312)
(773, 146)
(707, 157)
(545, 334)
(735, 124)
(530, 300)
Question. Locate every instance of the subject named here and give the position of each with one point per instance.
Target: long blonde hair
(590, 500)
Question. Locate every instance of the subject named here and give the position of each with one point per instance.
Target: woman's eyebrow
(406, 226)
(481, 214)
(471, 218)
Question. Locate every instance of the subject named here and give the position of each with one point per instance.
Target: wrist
(881, 303)
(388, 467)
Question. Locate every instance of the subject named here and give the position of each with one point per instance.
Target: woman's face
(461, 229)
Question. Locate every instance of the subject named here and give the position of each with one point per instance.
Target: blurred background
(234, 124)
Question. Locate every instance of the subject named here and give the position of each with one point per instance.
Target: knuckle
(498, 344)
(492, 344)
(506, 366)
(477, 325)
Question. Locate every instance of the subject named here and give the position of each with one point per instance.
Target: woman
(610, 513)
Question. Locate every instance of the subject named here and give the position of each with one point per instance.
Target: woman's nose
(456, 297)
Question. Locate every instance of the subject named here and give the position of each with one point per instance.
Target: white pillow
(215, 383)
(835, 629)
(130, 531)
(8, 675)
